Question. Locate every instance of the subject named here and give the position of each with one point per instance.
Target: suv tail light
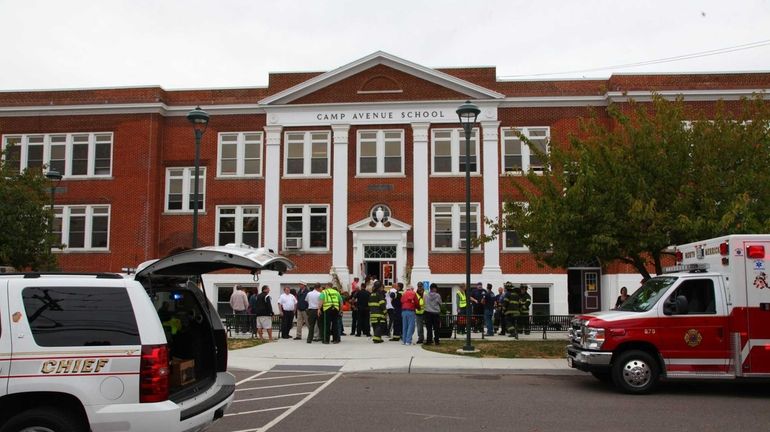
(220, 340)
(153, 374)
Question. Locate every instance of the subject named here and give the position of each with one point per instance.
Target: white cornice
(135, 108)
(553, 101)
(688, 95)
(474, 91)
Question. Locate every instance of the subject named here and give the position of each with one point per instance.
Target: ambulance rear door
(755, 352)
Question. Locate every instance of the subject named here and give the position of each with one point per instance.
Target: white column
(340, 205)
(491, 271)
(421, 206)
(272, 210)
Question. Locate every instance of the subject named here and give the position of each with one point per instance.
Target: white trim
(238, 217)
(687, 95)
(272, 211)
(307, 154)
(379, 142)
(457, 230)
(188, 176)
(240, 157)
(420, 201)
(318, 82)
(69, 144)
(697, 361)
(305, 215)
(456, 143)
(490, 143)
(507, 133)
(64, 212)
(340, 139)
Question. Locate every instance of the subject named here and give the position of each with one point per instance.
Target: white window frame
(458, 229)
(550, 297)
(380, 153)
(457, 139)
(307, 149)
(188, 175)
(241, 144)
(63, 215)
(306, 215)
(68, 152)
(509, 134)
(239, 217)
(505, 248)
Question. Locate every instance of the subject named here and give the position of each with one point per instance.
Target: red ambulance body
(706, 318)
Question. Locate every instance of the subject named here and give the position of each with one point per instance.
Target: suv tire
(43, 419)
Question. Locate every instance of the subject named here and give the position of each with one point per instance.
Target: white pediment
(391, 225)
(473, 91)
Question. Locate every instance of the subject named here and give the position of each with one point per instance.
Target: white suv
(106, 352)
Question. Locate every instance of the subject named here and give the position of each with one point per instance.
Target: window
(238, 224)
(511, 239)
(82, 227)
(307, 153)
(541, 300)
(306, 227)
(448, 147)
(449, 225)
(80, 316)
(180, 189)
(517, 155)
(380, 152)
(240, 154)
(698, 295)
(72, 155)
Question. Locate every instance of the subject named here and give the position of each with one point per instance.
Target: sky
(55, 44)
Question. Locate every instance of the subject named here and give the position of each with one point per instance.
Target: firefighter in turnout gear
(525, 300)
(377, 312)
(512, 310)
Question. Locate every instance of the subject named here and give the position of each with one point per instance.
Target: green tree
(24, 217)
(655, 175)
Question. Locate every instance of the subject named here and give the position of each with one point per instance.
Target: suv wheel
(44, 419)
(635, 372)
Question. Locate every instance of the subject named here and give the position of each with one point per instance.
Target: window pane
(13, 153)
(295, 150)
(80, 316)
(229, 138)
(512, 240)
(251, 166)
(251, 239)
(443, 148)
(229, 151)
(251, 151)
(368, 149)
(80, 159)
(77, 233)
(295, 166)
(229, 167)
(317, 231)
(319, 166)
(369, 136)
(35, 156)
(443, 164)
(368, 165)
(103, 159)
(226, 237)
(392, 164)
(100, 228)
(58, 156)
(393, 148)
(540, 295)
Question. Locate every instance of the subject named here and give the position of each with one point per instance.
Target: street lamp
(200, 121)
(468, 113)
(55, 177)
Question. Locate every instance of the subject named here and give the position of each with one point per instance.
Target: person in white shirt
(313, 301)
(239, 302)
(287, 303)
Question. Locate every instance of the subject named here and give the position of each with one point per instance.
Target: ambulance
(707, 317)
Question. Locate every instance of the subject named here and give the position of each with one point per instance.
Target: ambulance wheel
(635, 372)
(44, 419)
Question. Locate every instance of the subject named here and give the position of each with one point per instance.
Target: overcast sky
(236, 43)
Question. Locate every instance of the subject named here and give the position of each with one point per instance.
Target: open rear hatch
(197, 341)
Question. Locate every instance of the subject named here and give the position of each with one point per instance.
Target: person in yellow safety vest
(462, 304)
(330, 306)
(512, 310)
(377, 312)
(420, 313)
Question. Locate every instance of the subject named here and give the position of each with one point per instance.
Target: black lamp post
(55, 177)
(200, 121)
(468, 113)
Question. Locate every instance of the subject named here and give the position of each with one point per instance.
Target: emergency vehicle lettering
(76, 366)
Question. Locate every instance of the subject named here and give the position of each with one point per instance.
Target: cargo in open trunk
(196, 339)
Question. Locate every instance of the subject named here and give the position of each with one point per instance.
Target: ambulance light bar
(686, 268)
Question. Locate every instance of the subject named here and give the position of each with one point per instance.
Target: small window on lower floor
(541, 300)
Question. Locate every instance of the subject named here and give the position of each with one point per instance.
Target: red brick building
(357, 170)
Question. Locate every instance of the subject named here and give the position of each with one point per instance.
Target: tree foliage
(658, 174)
(24, 218)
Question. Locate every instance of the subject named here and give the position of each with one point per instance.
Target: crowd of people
(398, 313)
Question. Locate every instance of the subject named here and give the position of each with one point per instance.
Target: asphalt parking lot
(265, 398)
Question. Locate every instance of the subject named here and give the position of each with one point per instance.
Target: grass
(547, 349)
(234, 344)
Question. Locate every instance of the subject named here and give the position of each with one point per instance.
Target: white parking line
(258, 411)
(292, 376)
(271, 397)
(299, 404)
(250, 378)
(282, 385)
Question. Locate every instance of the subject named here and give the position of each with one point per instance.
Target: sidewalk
(359, 354)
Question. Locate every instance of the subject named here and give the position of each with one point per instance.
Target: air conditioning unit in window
(293, 243)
